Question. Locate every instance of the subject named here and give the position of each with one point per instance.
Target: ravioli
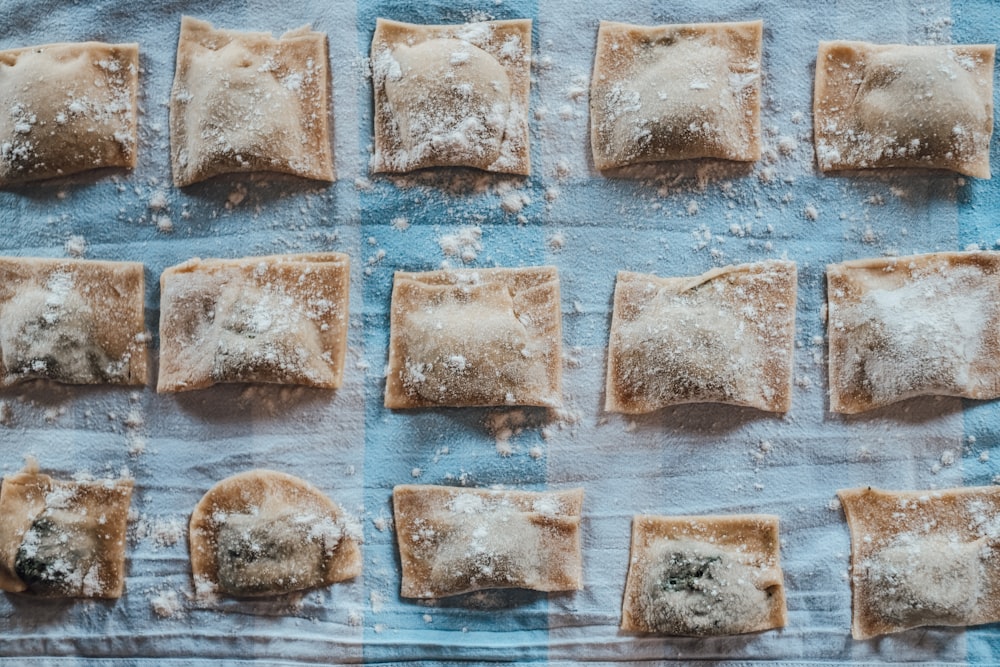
(72, 321)
(704, 576)
(63, 538)
(912, 326)
(675, 92)
(892, 105)
(475, 337)
(726, 336)
(922, 558)
(263, 533)
(451, 96)
(244, 101)
(454, 540)
(276, 319)
(68, 108)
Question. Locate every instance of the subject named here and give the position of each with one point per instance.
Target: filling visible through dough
(695, 588)
(263, 337)
(460, 352)
(917, 105)
(684, 348)
(259, 555)
(240, 116)
(924, 581)
(450, 102)
(487, 545)
(47, 332)
(676, 105)
(918, 338)
(57, 556)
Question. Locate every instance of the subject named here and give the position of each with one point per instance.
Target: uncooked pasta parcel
(68, 108)
(894, 105)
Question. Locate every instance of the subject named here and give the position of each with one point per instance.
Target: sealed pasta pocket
(704, 576)
(894, 105)
(63, 538)
(922, 558)
(279, 319)
(454, 540)
(264, 532)
(452, 96)
(475, 337)
(68, 108)
(72, 321)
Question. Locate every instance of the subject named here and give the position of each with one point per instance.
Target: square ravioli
(264, 532)
(452, 96)
(244, 101)
(704, 576)
(63, 538)
(891, 105)
(674, 92)
(469, 337)
(279, 319)
(72, 321)
(726, 336)
(454, 540)
(922, 558)
(67, 108)
(912, 326)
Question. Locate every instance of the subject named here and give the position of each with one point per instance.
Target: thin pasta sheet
(62, 538)
(264, 532)
(454, 540)
(704, 575)
(67, 108)
(893, 105)
(726, 336)
(475, 337)
(452, 96)
(911, 326)
(277, 319)
(674, 92)
(923, 558)
(72, 321)
(245, 101)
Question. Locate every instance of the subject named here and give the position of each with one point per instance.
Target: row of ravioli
(918, 557)
(897, 327)
(458, 96)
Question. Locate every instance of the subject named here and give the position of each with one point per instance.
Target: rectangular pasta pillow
(894, 105)
(67, 108)
(278, 319)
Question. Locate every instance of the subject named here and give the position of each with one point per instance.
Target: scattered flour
(76, 246)
(465, 244)
(166, 604)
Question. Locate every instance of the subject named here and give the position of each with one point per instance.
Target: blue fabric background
(672, 220)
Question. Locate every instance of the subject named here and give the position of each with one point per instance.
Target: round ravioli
(263, 532)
